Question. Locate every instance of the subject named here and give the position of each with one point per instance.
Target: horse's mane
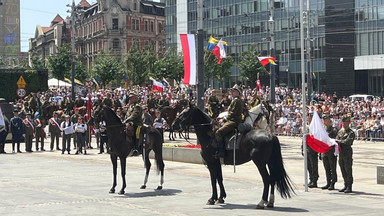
(113, 115)
(205, 115)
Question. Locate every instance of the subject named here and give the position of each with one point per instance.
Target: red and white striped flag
(189, 53)
(318, 138)
(157, 86)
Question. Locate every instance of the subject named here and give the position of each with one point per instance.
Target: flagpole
(303, 96)
(200, 56)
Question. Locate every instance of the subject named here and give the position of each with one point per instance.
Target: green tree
(107, 68)
(217, 71)
(170, 66)
(61, 63)
(81, 72)
(139, 63)
(249, 65)
(37, 62)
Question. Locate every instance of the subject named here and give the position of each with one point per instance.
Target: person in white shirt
(159, 124)
(80, 130)
(67, 130)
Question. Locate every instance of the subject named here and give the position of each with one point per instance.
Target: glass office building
(344, 36)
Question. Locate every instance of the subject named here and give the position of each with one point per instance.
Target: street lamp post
(200, 56)
(272, 48)
(73, 17)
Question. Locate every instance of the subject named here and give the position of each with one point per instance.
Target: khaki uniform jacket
(235, 110)
(346, 138)
(28, 129)
(134, 114)
(53, 128)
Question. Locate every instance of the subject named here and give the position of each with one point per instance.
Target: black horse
(259, 146)
(121, 146)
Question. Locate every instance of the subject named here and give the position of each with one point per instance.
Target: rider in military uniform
(79, 102)
(98, 101)
(134, 120)
(33, 103)
(213, 106)
(345, 138)
(108, 100)
(256, 100)
(225, 102)
(329, 158)
(233, 119)
(151, 102)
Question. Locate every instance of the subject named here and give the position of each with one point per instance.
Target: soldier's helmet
(236, 88)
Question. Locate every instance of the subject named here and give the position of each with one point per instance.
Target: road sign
(21, 82)
(21, 92)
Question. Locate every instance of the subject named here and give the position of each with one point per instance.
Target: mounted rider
(234, 118)
(134, 119)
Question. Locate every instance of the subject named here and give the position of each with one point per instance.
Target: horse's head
(191, 116)
(98, 114)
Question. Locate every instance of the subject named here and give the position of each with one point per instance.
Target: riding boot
(348, 189)
(326, 186)
(344, 188)
(313, 185)
(332, 186)
(220, 149)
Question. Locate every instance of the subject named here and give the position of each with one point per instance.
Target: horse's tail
(158, 149)
(278, 174)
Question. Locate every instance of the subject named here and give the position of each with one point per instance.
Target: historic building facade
(115, 25)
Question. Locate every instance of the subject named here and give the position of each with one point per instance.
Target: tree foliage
(217, 71)
(107, 68)
(249, 65)
(61, 63)
(81, 72)
(170, 66)
(37, 62)
(139, 63)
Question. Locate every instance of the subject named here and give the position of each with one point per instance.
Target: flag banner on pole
(267, 60)
(318, 138)
(89, 107)
(258, 87)
(2, 121)
(165, 82)
(95, 82)
(189, 53)
(157, 86)
(212, 43)
(219, 51)
(313, 75)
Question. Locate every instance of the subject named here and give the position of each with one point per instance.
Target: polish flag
(219, 51)
(318, 138)
(189, 53)
(157, 86)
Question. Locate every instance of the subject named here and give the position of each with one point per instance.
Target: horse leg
(173, 135)
(123, 161)
(114, 164)
(147, 164)
(266, 182)
(213, 174)
(271, 202)
(160, 166)
(223, 195)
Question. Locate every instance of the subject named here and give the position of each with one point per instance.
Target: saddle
(233, 140)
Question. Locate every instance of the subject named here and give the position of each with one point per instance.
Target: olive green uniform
(330, 160)
(234, 118)
(213, 105)
(346, 138)
(134, 115)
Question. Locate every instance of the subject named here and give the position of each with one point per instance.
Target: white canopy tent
(55, 83)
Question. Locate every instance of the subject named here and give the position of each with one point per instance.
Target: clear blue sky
(40, 12)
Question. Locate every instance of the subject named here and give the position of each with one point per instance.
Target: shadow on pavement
(253, 206)
(163, 192)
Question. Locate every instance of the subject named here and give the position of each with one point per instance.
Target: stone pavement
(48, 183)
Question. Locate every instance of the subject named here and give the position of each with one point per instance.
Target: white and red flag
(157, 86)
(189, 54)
(258, 87)
(318, 138)
(219, 51)
(267, 60)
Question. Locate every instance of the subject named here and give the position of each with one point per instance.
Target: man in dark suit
(55, 130)
(17, 130)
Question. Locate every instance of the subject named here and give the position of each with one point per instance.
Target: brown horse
(169, 114)
(257, 145)
(121, 146)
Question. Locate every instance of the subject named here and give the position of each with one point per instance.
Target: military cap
(54, 113)
(237, 88)
(327, 117)
(15, 110)
(346, 119)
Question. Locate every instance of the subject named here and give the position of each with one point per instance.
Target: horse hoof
(112, 191)
(270, 205)
(143, 187)
(121, 192)
(210, 202)
(220, 201)
(159, 188)
(260, 207)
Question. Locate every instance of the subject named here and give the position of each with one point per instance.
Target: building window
(135, 6)
(152, 28)
(115, 23)
(145, 25)
(116, 43)
(160, 27)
